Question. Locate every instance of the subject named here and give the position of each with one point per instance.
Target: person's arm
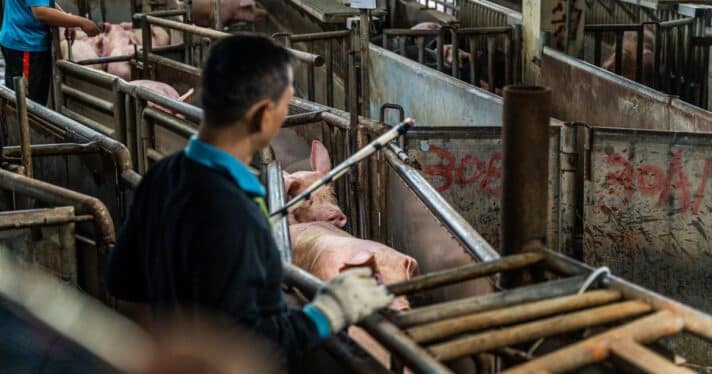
(56, 17)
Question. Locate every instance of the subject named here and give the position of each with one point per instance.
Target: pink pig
(163, 89)
(322, 248)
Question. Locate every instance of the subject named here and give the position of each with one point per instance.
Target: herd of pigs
(319, 243)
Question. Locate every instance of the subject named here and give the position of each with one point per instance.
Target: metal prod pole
(344, 167)
(23, 123)
(525, 144)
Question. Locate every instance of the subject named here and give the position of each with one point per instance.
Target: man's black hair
(240, 71)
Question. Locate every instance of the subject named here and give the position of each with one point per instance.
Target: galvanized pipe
(276, 198)
(507, 316)
(496, 300)
(24, 123)
(463, 273)
(104, 60)
(525, 150)
(487, 341)
(100, 78)
(92, 100)
(303, 118)
(597, 348)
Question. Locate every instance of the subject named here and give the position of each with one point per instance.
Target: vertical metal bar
(147, 47)
(402, 40)
(420, 42)
(619, 52)
(455, 53)
(670, 56)
(364, 29)
(680, 64)
(639, 55)
(657, 55)
(490, 61)
(310, 82)
(218, 15)
(68, 252)
(24, 123)
(474, 78)
(439, 58)
(507, 58)
(525, 149)
(384, 41)
(329, 55)
(346, 70)
(567, 194)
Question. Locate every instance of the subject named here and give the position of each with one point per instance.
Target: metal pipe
(61, 196)
(175, 125)
(567, 194)
(24, 123)
(100, 78)
(491, 301)
(507, 316)
(118, 151)
(309, 58)
(192, 112)
(644, 359)
(525, 150)
(364, 45)
(104, 60)
(597, 348)
(303, 118)
(19, 219)
(276, 198)
(56, 149)
(486, 341)
(463, 273)
(319, 36)
(92, 100)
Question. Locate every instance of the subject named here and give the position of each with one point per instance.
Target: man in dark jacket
(198, 235)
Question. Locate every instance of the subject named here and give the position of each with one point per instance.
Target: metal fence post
(525, 146)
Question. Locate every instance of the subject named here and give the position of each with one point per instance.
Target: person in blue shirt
(198, 236)
(25, 42)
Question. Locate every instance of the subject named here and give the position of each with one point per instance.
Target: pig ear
(320, 160)
(186, 96)
(126, 25)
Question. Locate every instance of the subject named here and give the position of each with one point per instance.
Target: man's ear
(257, 114)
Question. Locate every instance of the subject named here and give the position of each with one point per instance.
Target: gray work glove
(351, 296)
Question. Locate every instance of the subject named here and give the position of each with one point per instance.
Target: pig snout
(336, 218)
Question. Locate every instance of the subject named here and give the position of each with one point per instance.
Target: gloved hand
(351, 296)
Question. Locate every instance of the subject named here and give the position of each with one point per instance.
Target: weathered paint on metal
(430, 97)
(647, 210)
(465, 166)
(586, 93)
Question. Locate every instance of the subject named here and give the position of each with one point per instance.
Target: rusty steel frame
(63, 218)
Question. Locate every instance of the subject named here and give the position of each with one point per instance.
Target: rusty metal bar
(385, 332)
(54, 149)
(491, 301)
(61, 196)
(24, 123)
(409, 32)
(486, 341)
(463, 273)
(525, 150)
(490, 62)
(19, 219)
(329, 56)
(118, 151)
(175, 125)
(643, 330)
(619, 53)
(303, 118)
(319, 36)
(514, 314)
(644, 359)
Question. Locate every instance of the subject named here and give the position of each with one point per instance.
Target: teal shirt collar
(215, 158)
